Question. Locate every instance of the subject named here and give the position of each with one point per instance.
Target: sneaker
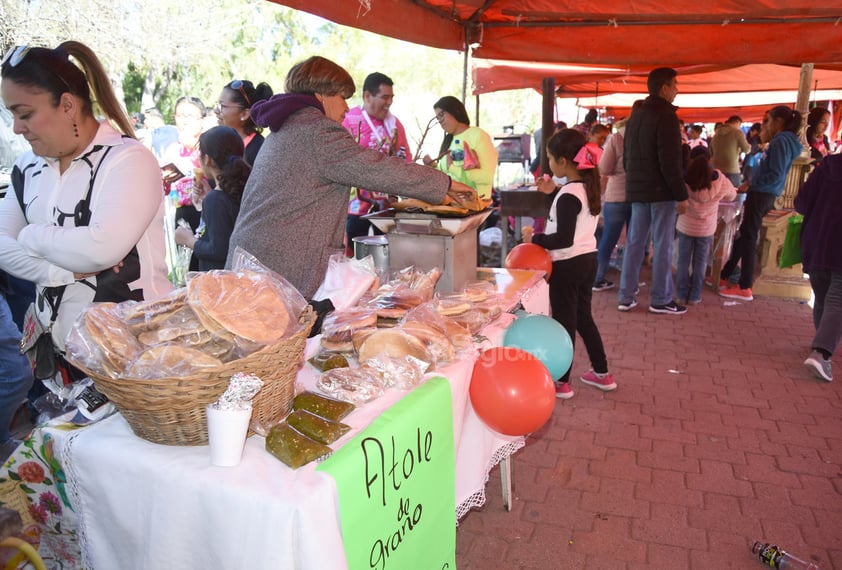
(818, 366)
(734, 292)
(604, 382)
(563, 390)
(724, 284)
(602, 285)
(625, 307)
(670, 308)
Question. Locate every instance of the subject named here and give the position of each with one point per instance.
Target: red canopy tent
(647, 33)
(615, 42)
(591, 81)
(713, 86)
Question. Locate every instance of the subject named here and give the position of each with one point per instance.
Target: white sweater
(127, 210)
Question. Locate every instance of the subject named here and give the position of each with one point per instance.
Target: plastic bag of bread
(355, 385)
(427, 316)
(404, 373)
(339, 327)
(479, 291)
(409, 288)
(102, 341)
(427, 325)
(394, 343)
(422, 282)
(346, 280)
(242, 261)
(170, 361)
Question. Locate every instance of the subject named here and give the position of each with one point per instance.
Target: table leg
(504, 245)
(506, 480)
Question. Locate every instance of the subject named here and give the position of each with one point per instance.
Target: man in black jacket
(655, 186)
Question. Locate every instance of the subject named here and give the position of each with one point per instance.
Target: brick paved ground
(716, 436)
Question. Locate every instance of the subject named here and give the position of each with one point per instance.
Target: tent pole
(465, 73)
(547, 124)
(476, 114)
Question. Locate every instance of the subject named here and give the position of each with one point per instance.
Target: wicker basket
(171, 411)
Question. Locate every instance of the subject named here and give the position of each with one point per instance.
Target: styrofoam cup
(227, 430)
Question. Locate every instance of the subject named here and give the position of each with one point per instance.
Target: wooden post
(803, 102)
(547, 121)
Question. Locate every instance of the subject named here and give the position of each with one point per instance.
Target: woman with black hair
(817, 121)
(233, 109)
(86, 198)
(779, 129)
(221, 157)
(467, 153)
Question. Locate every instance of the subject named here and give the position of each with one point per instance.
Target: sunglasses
(239, 85)
(15, 55)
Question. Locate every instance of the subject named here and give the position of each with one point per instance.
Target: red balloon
(511, 390)
(530, 256)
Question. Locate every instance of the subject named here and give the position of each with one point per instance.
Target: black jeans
(744, 252)
(570, 299)
(827, 310)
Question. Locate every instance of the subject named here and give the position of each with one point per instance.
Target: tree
(159, 50)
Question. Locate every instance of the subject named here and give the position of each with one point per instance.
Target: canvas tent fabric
(619, 32)
(590, 81)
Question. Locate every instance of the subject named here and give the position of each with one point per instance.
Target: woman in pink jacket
(707, 186)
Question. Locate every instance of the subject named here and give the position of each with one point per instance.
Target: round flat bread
(440, 347)
(117, 344)
(476, 294)
(450, 308)
(172, 328)
(248, 304)
(167, 360)
(393, 343)
(145, 310)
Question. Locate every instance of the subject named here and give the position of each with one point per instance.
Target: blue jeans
(692, 254)
(660, 218)
(15, 374)
(615, 216)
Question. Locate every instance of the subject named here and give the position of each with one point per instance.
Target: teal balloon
(544, 338)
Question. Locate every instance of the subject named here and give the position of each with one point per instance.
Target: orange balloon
(530, 256)
(511, 390)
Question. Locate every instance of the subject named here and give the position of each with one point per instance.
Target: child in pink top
(707, 187)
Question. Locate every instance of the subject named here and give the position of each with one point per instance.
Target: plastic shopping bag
(791, 251)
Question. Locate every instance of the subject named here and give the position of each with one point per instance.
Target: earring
(75, 130)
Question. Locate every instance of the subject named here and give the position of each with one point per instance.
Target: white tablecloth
(142, 505)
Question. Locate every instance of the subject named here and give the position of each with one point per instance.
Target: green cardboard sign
(396, 483)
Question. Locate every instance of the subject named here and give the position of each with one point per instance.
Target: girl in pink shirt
(707, 187)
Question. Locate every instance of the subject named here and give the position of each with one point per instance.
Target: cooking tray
(391, 220)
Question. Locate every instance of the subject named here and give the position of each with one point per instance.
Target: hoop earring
(75, 130)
